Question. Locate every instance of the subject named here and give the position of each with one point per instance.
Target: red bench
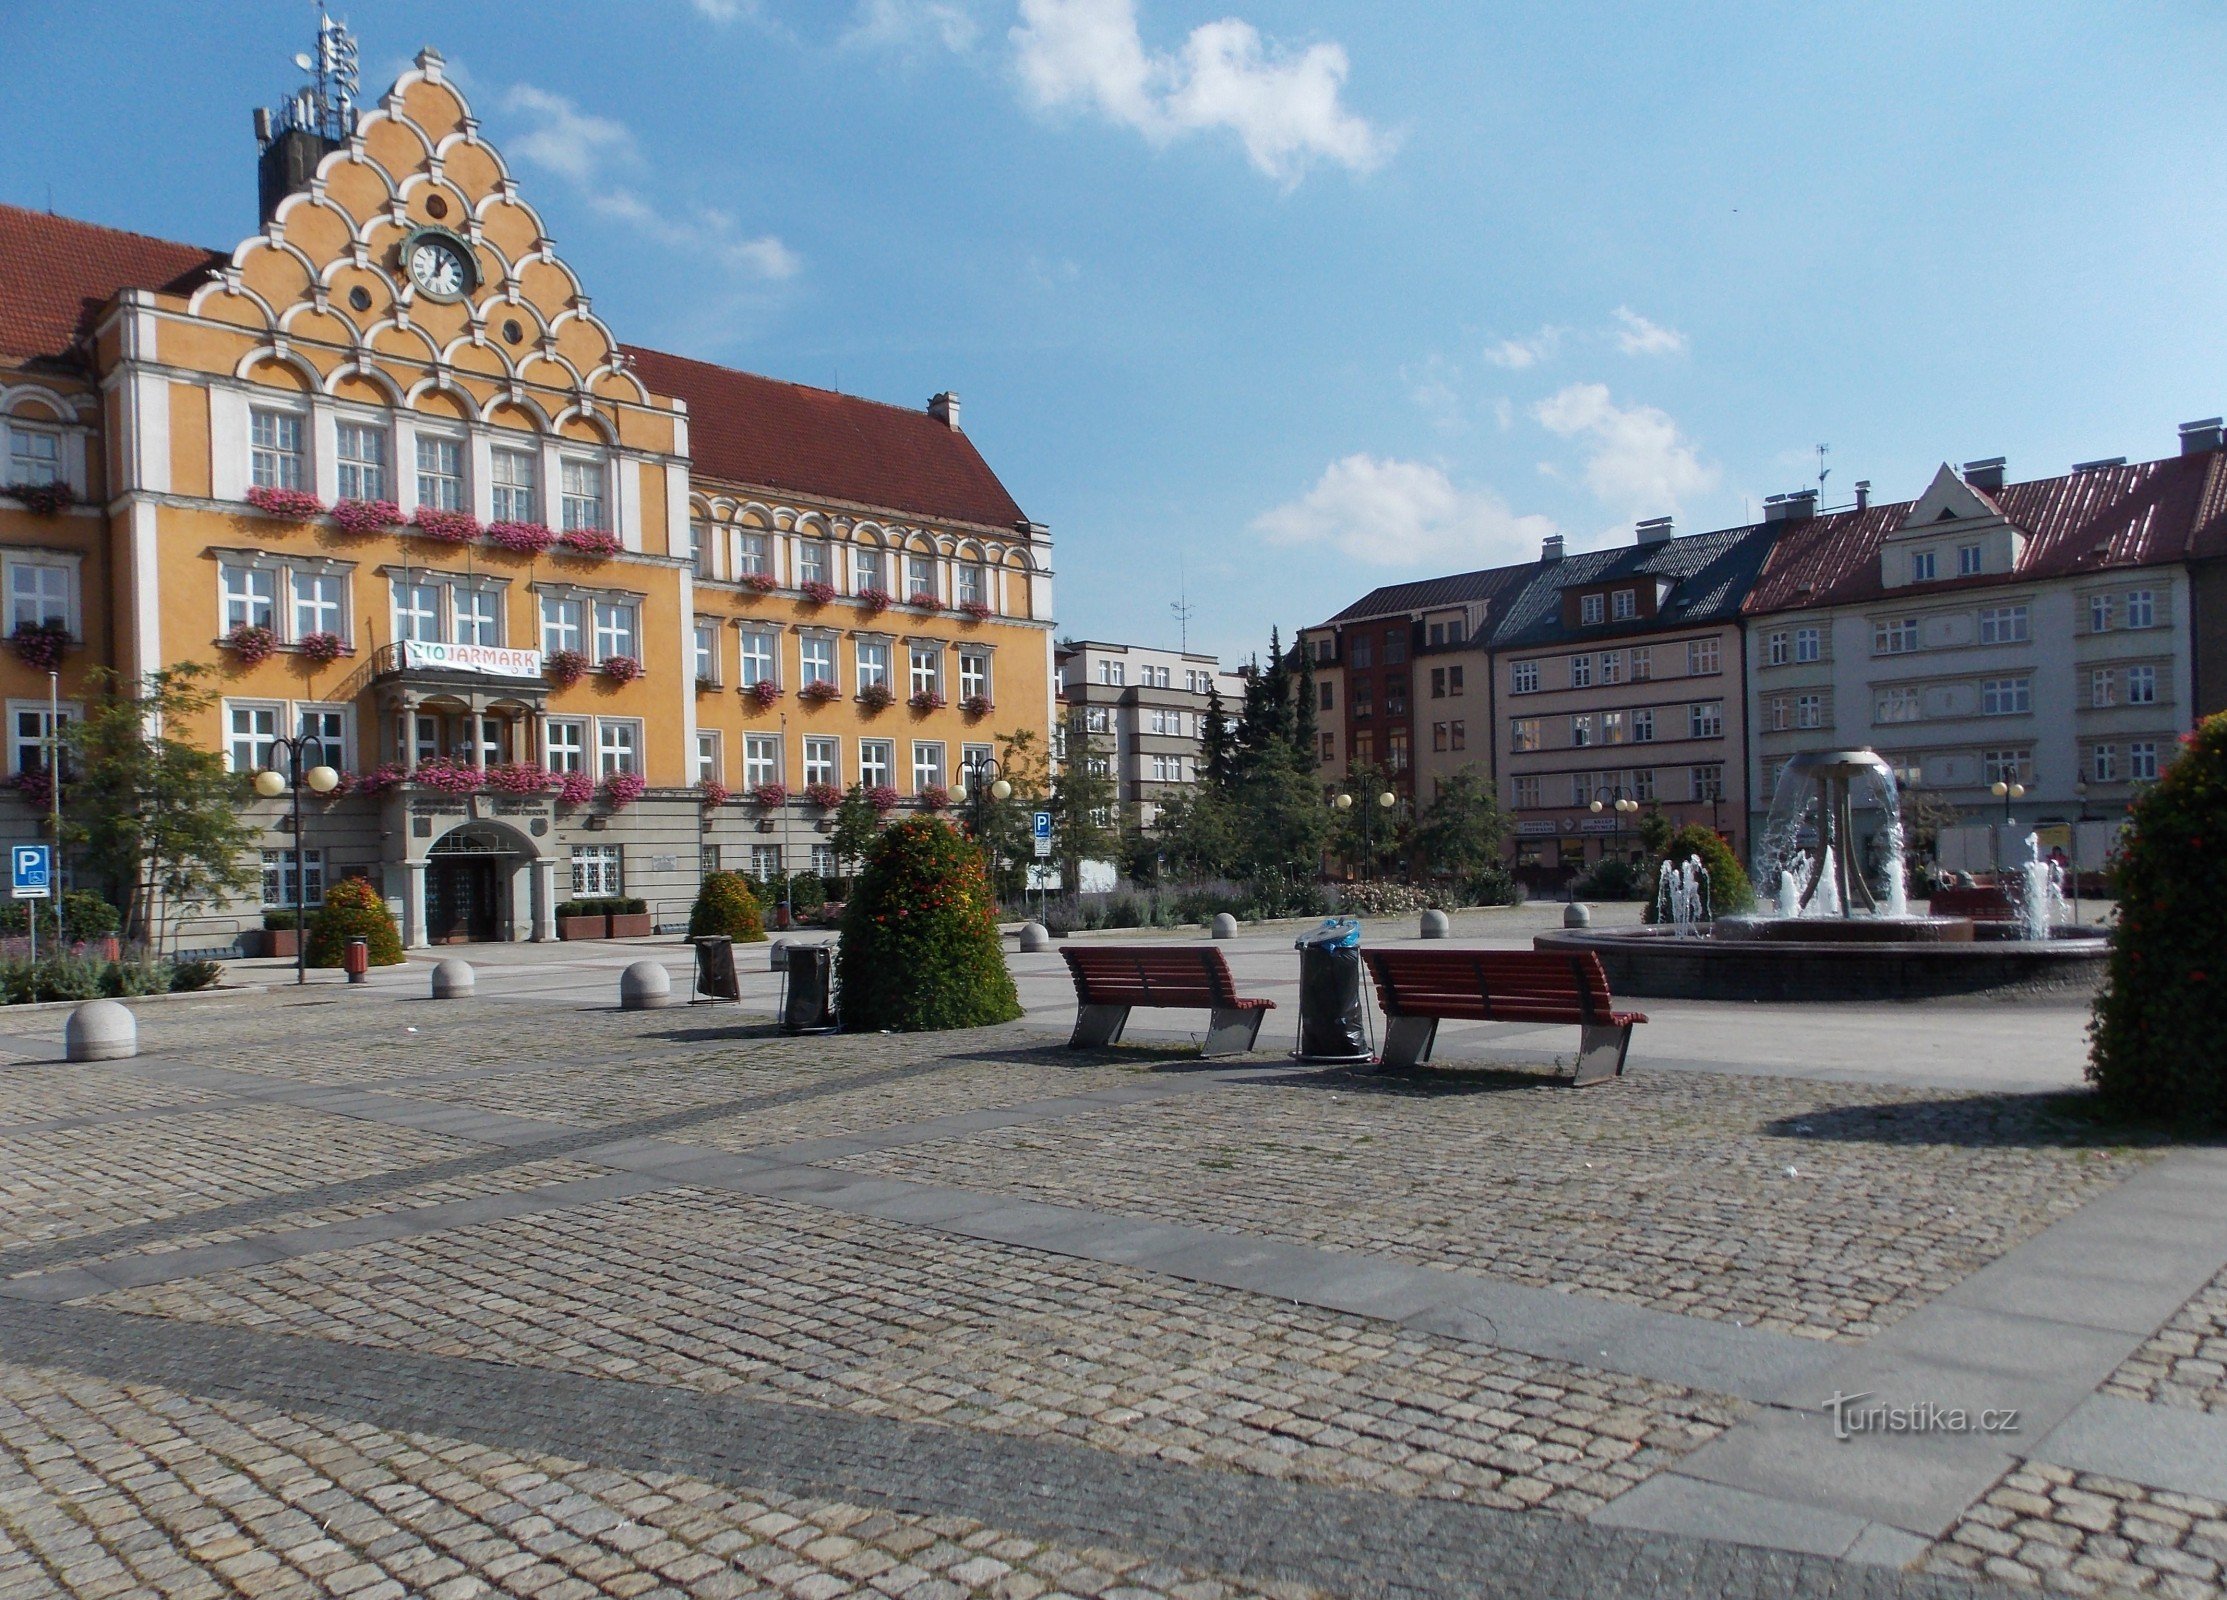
(1111, 979)
(1420, 988)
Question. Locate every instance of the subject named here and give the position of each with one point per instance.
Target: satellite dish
(302, 61)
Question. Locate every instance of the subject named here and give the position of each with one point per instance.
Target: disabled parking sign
(31, 870)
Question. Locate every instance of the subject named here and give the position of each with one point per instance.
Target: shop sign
(1536, 830)
(1598, 825)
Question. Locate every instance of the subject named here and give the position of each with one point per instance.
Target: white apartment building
(1143, 712)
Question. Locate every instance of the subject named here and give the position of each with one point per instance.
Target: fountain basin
(1847, 930)
(1658, 963)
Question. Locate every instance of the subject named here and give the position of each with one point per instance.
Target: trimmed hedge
(725, 905)
(1730, 892)
(920, 948)
(2155, 1037)
(353, 909)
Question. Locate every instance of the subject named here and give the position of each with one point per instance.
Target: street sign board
(31, 868)
(1040, 828)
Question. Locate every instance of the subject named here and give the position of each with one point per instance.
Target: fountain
(1836, 922)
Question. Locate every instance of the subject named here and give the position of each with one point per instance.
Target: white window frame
(705, 641)
(514, 484)
(711, 760)
(584, 493)
(815, 658)
(1705, 719)
(1523, 678)
(1581, 672)
(442, 463)
(2141, 761)
(618, 629)
(2008, 624)
(565, 744)
(309, 608)
(1897, 636)
(278, 877)
(761, 759)
(927, 765)
(823, 758)
(877, 763)
(2006, 697)
(1643, 725)
(42, 725)
(42, 604)
(475, 614)
(974, 678)
(1592, 610)
(924, 669)
(564, 623)
(618, 746)
(2141, 608)
(1969, 560)
(362, 453)
(2141, 685)
(1924, 565)
(753, 553)
(257, 754)
(34, 469)
(871, 659)
(761, 657)
(278, 448)
(598, 871)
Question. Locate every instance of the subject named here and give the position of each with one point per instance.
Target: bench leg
(1407, 1042)
(1098, 1026)
(1600, 1053)
(1232, 1032)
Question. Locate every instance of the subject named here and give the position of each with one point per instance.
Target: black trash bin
(1331, 1025)
(808, 990)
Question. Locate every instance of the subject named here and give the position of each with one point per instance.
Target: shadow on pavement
(2056, 1119)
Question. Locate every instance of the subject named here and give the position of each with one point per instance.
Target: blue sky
(1275, 300)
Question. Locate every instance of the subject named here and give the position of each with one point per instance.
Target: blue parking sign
(1041, 824)
(31, 867)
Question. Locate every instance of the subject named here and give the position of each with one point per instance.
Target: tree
(1367, 835)
(1304, 724)
(856, 826)
(1730, 892)
(353, 909)
(1462, 831)
(158, 822)
(1199, 831)
(1003, 825)
(919, 948)
(1217, 742)
(1082, 803)
(1924, 814)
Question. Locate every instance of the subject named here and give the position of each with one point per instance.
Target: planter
(631, 924)
(282, 942)
(581, 927)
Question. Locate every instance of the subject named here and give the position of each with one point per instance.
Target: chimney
(1986, 476)
(945, 409)
(2099, 464)
(1863, 494)
(1550, 548)
(1798, 506)
(2197, 437)
(1654, 531)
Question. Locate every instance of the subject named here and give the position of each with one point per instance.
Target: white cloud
(1403, 514)
(1284, 108)
(1517, 354)
(907, 24)
(726, 10)
(1639, 462)
(1434, 386)
(1640, 337)
(568, 141)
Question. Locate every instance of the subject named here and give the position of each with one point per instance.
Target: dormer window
(1967, 560)
(1627, 604)
(1590, 610)
(1922, 566)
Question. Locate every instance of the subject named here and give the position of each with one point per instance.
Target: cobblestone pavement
(2185, 1362)
(2081, 1533)
(1819, 1209)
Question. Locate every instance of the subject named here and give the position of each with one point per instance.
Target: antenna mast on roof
(327, 107)
(1823, 471)
(1182, 608)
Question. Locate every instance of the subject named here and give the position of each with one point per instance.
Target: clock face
(438, 266)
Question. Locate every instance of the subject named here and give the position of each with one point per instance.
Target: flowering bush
(450, 527)
(295, 505)
(520, 538)
(47, 499)
(36, 785)
(976, 705)
(764, 692)
(575, 788)
(975, 610)
(251, 642)
(321, 647)
(883, 799)
(565, 667)
(824, 795)
(726, 905)
(935, 797)
(770, 795)
(922, 600)
(819, 692)
(364, 517)
(920, 937)
(593, 542)
(926, 700)
(39, 645)
(876, 601)
(520, 778)
(448, 776)
(622, 669)
(715, 793)
(622, 789)
(817, 592)
(877, 697)
(353, 909)
(762, 582)
(385, 776)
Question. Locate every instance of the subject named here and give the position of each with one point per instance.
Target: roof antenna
(1823, 471)
(1182, 608)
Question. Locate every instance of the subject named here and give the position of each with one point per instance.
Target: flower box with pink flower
(824, 795)
(763, 693)
(883, 799)
(622, 669)
(760, 582)
(876, 601)
(926, 700)
(40, 645)
(817, 592)
(877, 697)
(934, 797)
(321, 647)
(362, 518)
(293, 505)
(449, 527)
(565, 667)
(819, 692)
(252, 643)
(770, 796)
(975, 610)
(520, 538)
(922, 600)
(593, 543)
(622, 789)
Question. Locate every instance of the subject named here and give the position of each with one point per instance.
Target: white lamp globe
(1344, 802)
(1387, 799)
(322, 780)
(269, 784)
(1001, 790)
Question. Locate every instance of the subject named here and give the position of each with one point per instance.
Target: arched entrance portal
(467, 885)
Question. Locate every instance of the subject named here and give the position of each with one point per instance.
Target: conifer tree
(1217, 742)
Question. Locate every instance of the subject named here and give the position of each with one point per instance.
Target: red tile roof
(2142, 515)
(56, 273)
(762, 432)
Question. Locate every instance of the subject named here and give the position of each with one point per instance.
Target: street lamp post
(270, 783)
(1623, 804)
(2005, 790)
(1385, 801)
(983, 786)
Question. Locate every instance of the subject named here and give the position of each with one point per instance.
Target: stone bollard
(101, 1030)
(454, 979)
(1224, 927)
(1034, 937)
(1577, 914)
(645, 986)
(1435, 925)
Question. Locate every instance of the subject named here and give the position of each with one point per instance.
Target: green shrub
(280, 921)
(1494, 886)
(1380, 898)
(725, 905)
(1613, 878)
(1729, 890)
(806, 893)
(353, 909)
(143, 976)
(920, 949)
(85, 915)
(186, 976)
(2162, 1011)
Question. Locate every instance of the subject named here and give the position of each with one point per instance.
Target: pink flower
(976, 705)
(926, 700)
(447, 776)
(364, 517)
(621, 669)
(575, 788)
(935, 798)
(876, 601)
(520, 538)
(294, 505)
(817, 592)
(252, 643)
(565, 667)
(877, 697)
(520, 778)
(622, 789)
(772, 796)
(882, 798)
(975, 610)
(387, 775)
(824, 795)
(763, 582)
(765, 692)
(593, 542)
(450, 527)
(321, 647)
(715, 793)
(819, 692)
(39, 645)
(922, 600)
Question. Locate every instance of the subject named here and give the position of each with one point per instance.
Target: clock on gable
(438, 263)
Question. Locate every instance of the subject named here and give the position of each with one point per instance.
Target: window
(1527, 793)
(33, 732)
(1438, 633)
(927, 673)
(565, 746)
(757, 658)
(1523, 677)
(39, 594)
(319, 604)
(1708, 781)
(618, 746)
(877, 763)
(811, 561)
(440, 472)
(278, 878)
(1590, 610)
(2103, 687)
(2141, 761)
(1703, 656)
(1395, 696)
(2005, 766)
(822, 759)
(1581, 672)
(581, 483)
(2141, 686)
(711, 766)
(867, 570)
(1809, 711)
(1113, 673)
(1438, 736)
(1967, 560)
(1438, 683)
(927, 765)
(974, 680)
(514, 483)
(1643, 784)
(2103, 763)
(1778, 713)
(1922, 566)
(707, 652)
(1364, 747)
(1097, 719)
(250, 597)
(1643, 664)
(1363, 653)
(754, 558)
(1395, 647)
(34, 456)
(1329, 746)
(363, 462)
(1705, 720)
(816, 657)
(1395, 750)
(614, 629)
(2006, 697)
(561, 622)
(2003, 625)
(251, 728)
(920, 575)
(1626, 604)
(476, 615)
(1809, 644)
(275, 449)
(873, 663)
(1364, 698)
(2141, 609)
(1580, 793)
(1612, 727)
(1777, 648)
(1894, 638)
(1581, 730)
(699, 548)
(1166, 769)
(1612, 666)
(1523, 734)
(1643, 725)
(1896, 705)
(1326, 698)
(595, 871)
(974, 587)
